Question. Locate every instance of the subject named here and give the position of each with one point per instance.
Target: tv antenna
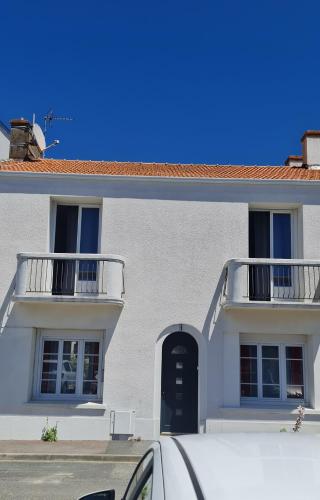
(50, 117)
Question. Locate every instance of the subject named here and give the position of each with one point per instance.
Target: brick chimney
(311, 149)
(23, 146)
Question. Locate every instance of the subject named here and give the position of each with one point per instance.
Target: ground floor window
(271, 371)
(69, 366)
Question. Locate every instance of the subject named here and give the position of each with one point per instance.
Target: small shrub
(298, 423)
(49, 433)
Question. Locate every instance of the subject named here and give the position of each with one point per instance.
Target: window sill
(70, 405)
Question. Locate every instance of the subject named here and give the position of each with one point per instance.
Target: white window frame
(293, 243)
(80, 207)
(282, 373)
(64, 335)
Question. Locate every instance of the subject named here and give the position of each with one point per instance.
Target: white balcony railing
(69, 277)
(283, 281)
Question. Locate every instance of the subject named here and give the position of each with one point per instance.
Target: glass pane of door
(63, 277)
(89, 243)
(259, 247)
(282, 248)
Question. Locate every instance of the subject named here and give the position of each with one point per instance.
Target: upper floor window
(272, 371)
(76, 231)
(270, 236)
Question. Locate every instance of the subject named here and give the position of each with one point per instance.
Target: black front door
(179, 384)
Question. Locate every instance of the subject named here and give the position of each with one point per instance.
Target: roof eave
(144, 178)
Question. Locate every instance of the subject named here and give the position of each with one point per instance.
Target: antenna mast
(50, 117)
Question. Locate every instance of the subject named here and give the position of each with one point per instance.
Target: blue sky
(175, 81)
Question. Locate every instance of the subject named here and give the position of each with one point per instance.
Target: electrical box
(122, 422)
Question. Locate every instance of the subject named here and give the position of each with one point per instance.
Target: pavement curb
(28, 457)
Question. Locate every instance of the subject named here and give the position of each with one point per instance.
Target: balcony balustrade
(69, 278)
(273, 282)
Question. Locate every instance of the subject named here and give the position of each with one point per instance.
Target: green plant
(298, 423)
(49, 433)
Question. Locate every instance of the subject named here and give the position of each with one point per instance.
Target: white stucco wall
(4, 144)
(175, 238)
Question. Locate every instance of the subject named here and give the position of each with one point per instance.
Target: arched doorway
(179, 384)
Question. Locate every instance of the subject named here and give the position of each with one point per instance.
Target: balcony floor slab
(284, 305)
(67, 299)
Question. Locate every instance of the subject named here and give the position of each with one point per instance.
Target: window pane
(51, 347)
(89, 230)
(249, 390)
(270, 371)
(49, 371)
(248, 351)
(271, 391)
(294, 372)
(91, 348)
(69, 367)
(248, 370)
(90, 388)
(295, 392)
(144, 464)
(294, 352)
(282, 236)
(49, 366)
(282, 248)
(270, 351)
(90, 368)
(89, 243)
(146, 491)
(48, 387)
(294, 368)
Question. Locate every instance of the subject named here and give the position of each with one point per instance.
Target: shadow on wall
(7, 305)
(214, 312)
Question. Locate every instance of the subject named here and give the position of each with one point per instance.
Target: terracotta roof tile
(159, 169)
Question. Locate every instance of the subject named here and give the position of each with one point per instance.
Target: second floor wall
(175, 237)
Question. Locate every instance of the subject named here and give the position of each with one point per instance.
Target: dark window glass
(271, 391)
(270, 371)
(248, 351)
(294, 352)
(89, 242)
(270, 351)
(248, 371)
(282, 248)
(249, 390)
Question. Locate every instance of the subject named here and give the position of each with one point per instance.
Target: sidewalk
(102, 451)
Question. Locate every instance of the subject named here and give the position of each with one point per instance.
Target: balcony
(52, 277)
(277, 283)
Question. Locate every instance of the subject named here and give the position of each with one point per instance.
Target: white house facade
(4, 141)
(139, 299)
